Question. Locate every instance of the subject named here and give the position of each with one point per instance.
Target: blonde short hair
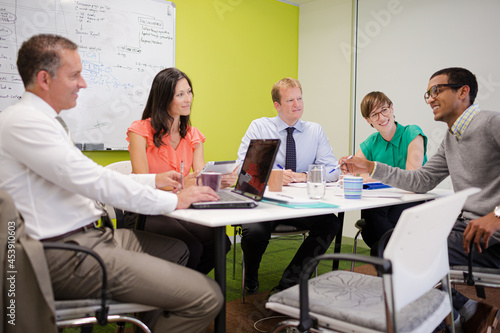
(287, 82)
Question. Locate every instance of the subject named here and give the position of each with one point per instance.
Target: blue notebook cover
(375, 186)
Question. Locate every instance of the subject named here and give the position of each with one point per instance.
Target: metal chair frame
(307, 323)
(360, 224)
(479, 277)
(71, 313)
(274, 234)
(404, 255)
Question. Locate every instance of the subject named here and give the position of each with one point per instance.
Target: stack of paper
(294, 202)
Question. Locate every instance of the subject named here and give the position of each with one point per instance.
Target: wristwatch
(497, 211)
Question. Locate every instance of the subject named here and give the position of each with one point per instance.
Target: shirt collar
(461, 124)
(41, 105)
(397, 135)
(396, 138)
(282, 126)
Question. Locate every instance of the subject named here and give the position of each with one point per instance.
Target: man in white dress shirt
(55, 187)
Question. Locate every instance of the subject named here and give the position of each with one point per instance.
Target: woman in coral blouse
(161, 141)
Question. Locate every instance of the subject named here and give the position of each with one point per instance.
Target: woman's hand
(168, 181)
(190, 179)
(229, 179)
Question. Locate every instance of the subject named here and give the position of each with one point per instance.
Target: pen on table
(285, 196)
(182, 171)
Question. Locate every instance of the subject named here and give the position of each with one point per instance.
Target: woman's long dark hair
(161, 94)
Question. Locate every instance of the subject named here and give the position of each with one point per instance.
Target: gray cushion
(358, 299)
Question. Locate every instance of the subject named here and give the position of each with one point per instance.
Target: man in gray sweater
(470, 155)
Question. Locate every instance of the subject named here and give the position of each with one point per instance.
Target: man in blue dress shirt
(302, 143)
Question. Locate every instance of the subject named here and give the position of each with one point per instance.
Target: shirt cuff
(374, 168)
(148, 179)
(167, 201)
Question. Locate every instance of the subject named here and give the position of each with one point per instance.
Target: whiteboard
(123, 44)
(402, 43)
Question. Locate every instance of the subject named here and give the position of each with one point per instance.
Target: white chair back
(418, 247)
(123, 167)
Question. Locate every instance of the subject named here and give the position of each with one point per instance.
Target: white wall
(325, 74)
(400, 44)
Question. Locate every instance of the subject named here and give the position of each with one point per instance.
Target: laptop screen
(256, 168)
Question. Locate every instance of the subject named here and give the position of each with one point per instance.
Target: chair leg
(354, 248)
(243, 277)
(120, 327)
(87, 329)
(234, 253)
(243, 274)
(449, 325)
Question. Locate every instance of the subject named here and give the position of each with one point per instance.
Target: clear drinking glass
(316, 181)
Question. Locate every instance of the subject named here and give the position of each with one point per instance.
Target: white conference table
(220, 218)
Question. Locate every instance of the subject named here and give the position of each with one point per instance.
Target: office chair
(278, 231)
(479, 277)
(402, 300)
(36, 290)
(89, 312)
(125, 168)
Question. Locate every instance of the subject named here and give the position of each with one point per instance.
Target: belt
(92, 225)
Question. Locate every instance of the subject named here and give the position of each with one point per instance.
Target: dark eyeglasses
(386, 110)
(435, 90)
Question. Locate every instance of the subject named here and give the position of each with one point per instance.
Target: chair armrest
(468, 275)
(383, 266)
(469, 278)
(102, 314)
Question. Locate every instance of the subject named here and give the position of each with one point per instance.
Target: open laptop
(252, 179)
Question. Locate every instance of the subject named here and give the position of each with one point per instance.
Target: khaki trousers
(142, 268)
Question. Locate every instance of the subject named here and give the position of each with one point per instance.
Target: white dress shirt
(53, 184)
(311, 144)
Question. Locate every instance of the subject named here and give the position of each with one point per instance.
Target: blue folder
(375, 186)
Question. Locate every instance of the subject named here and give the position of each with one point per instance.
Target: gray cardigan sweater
(472, 161)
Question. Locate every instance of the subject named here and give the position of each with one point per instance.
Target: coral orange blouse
(166, 158)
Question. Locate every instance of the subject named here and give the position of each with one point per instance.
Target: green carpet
(277, 256)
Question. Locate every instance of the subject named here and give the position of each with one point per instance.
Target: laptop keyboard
(230, 196)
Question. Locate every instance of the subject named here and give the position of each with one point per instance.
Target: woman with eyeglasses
(393, 144)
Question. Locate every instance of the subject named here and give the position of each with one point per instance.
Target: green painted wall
(233, 51)
(107, 157)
